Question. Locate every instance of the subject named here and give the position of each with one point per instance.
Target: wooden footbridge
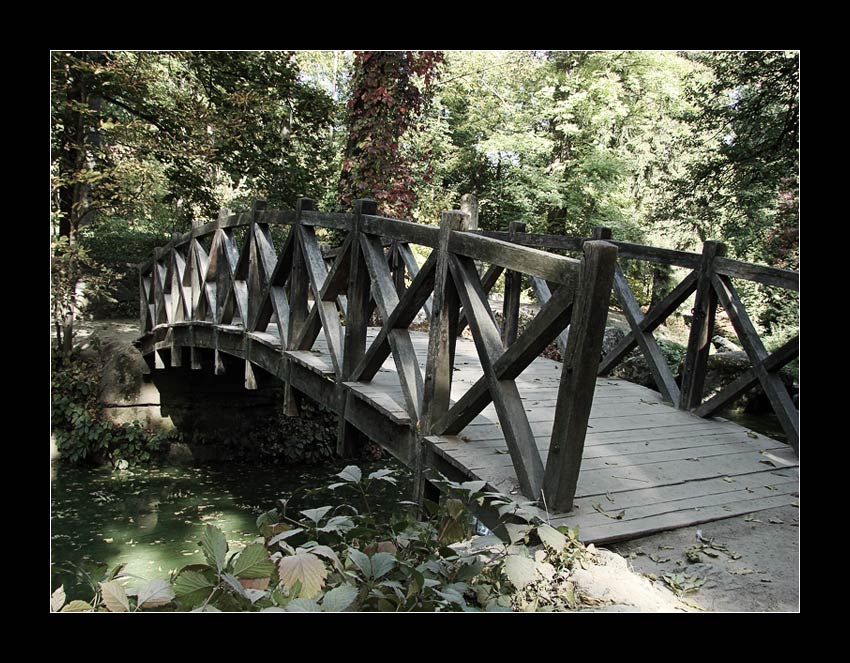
(613, 458)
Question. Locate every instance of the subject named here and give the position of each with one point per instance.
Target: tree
(389, 89)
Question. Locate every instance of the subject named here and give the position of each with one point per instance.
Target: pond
(152, 518)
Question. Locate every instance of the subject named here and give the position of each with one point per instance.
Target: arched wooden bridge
(613, 458)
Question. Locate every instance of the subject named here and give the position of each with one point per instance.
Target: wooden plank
(513, 290)
(504, 392)
(543, 295)
(412, 267)
(487, 282)
(750, 341)
(552, 317)
(749, 378)
(298, 280)
(653, 319)
(658, 255)
(387, 300)
(276, 217)
(538, 240)
(782, 278)
(646, 341)
(518, 258)
(438, 368)
(403, 231)
(578, 376)
(317, 274)
(615, 532)
(338, 220)
(702, 328)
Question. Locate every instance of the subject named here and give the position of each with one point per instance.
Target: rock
(724, 345)
(613, 335)
(180, 454)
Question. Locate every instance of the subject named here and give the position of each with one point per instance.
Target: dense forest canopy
(667, 148)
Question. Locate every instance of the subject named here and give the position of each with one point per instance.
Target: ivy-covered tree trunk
(389, 88)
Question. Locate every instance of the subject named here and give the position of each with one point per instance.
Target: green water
(151, 519)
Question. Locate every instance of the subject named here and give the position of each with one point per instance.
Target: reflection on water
(151, 519)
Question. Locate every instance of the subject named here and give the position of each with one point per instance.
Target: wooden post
(469, 205)
(255, 278)
(438, 365)
(702, 328)
(578, 376)
(513, 290)
(356, 322)
(438, 368)
(298, 288)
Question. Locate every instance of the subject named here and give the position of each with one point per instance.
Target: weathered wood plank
(487, 282)
(646, 341)
(552, 317)
(404, 231)
(504, 392)
(438, 369)
(412, 267)
(387, 301)
(543, 295)
(771, 383)
(517, 258)
(513, 290)
(702, 328)
(749, 378)
(338, 220)
(400, 318)
(782, 278)
(651, 321)
(578, 377)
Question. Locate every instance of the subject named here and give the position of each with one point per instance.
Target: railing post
(702, 326)
(513, 290)
(441, 337)
(578, 375)
(356, 322)
(298, 288)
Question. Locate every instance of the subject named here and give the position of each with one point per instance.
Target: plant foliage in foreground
(337, 559)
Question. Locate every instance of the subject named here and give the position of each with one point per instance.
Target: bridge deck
(647, 466)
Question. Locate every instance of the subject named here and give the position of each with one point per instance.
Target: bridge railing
(212, 275)
(711, 278)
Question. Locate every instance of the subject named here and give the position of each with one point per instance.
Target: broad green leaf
(382, 563)
(285, 535)
(302, 605)
(454, 507)
(351, 474)
(340, 524)
(77, 606)
(305, 568)
(114, 596)
(339, 598)
(207, 608)
(380, 474)
(234, 583)
(214, 546)
(273, 608)
(253, 562)
(517, 532)
(361, 561)
(520, 570)
(57, 599)
(154, 594)
(551, 537)
(473, 486)
(255, 595)
(316, 514)
(191, 581)
(327, 553)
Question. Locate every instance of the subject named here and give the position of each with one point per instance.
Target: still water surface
(151, 519)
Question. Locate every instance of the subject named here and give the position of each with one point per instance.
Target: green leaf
(351, 473)
(154, 594)
(517, 532)
(361, 561)
(191, 581)
(339, 524)
(234, 584)
(253, 562)
(316, 514)
(382, 563)
(114, 596)
(302, 605)
(57, 599)
(327, 553)
(551, 537)
(214, 546)
(339, 598)
(473, 486)
(285, 535)
(305, 568)
(454, 507)
(520, 570)
(77, 606)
